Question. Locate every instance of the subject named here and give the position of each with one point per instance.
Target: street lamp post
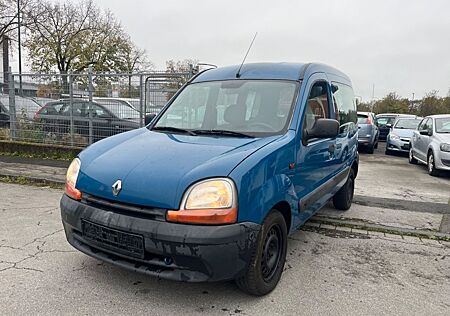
(20, 49)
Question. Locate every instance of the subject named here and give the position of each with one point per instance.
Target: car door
(421, 141)
(316, 162)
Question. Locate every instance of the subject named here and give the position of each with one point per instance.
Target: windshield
(119, 109)
(383, 120)
(407, 123)
(253, 107)
(443, 125)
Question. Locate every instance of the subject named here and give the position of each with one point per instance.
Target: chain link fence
(80, 109)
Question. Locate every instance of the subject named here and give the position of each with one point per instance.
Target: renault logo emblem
(116, 187)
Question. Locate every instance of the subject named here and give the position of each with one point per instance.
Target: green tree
(391, 103)
(431, 104)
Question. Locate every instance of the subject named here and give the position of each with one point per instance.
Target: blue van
(210, 189)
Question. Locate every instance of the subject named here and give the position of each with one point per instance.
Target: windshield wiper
(221, 132)
(174, 129)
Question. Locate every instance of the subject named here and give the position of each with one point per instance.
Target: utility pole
(20, 48)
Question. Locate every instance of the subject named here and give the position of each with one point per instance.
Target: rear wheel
(342, 200)
(267, 262)
(432, 171)
(411, 158)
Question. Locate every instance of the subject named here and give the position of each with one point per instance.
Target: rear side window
(344, 100)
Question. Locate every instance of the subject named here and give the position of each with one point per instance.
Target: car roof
(364, 113)
(282, 70)
(439, 116)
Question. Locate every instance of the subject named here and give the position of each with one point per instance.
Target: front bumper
(398, 144)
(442, 160)
(191, 253)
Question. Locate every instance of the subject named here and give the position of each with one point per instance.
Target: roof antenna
(238, 75)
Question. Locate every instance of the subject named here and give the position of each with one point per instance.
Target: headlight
(212, 201)
(394, 136)
(445, 147)
(71, 179)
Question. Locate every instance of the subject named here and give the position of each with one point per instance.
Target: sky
(392, 46)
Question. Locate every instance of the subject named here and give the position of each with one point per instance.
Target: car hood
(442, 137)
(404, 133)
(156, 168)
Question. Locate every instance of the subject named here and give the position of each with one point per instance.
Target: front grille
(157, 214)
(407, 140)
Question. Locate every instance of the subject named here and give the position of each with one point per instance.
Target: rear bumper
(363, 141)
(191, 253)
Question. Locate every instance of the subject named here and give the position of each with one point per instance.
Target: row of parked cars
(109, 116)
(426, 140)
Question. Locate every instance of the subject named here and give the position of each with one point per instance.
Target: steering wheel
(267, 126)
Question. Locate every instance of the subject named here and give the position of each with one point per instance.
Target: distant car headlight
(211, 201)
(445, 147)
(71, 179)
(394, 136)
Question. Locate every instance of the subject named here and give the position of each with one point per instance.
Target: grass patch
(30, 181)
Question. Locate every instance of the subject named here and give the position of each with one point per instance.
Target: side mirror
(149, 118)
(388, 125)
(323, 128)
(426, 132)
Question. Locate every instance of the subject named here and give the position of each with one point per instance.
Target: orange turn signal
(73, 192)
(203, 216)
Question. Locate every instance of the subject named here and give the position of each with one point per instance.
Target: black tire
(370, 149)
(432, 171)
(263, 274)
(342, 200)
(376, 145)
(411, 158)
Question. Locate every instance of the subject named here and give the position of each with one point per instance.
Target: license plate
(405, 146)
(114, 240)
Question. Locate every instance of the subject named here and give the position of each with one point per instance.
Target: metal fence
(79, 109)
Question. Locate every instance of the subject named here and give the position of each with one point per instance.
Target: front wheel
(342, 200)
(267, 262)
(411, 158)
(432, 171)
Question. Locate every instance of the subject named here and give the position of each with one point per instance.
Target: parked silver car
(368, 132)
(400, 134)
(430, 143)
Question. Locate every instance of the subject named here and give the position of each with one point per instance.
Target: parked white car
(430, 143)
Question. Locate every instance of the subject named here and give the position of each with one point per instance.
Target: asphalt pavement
(329, 270)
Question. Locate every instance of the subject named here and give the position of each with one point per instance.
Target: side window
(344, 100)
(421, 124)
(317, 105)
(430, 124)
(98, 111)
(424, 125)
(79, 109)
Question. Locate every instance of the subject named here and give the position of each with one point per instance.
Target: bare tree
(68, 37)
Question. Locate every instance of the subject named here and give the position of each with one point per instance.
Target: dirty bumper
(190, 253)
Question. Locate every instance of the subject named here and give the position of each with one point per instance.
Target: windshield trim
(283, 131)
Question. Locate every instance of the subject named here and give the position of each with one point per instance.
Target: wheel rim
(271, 252)
(430, 163)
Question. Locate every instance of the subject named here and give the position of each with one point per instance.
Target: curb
(323, 222)
(24, 179)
